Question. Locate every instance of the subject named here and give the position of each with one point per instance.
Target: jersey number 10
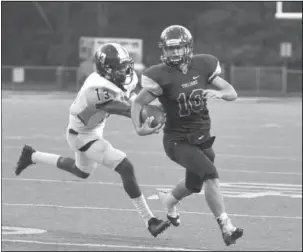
(194, 103)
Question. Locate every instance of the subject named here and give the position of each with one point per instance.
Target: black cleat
(230, 238)
(157, 226)
(25, 159)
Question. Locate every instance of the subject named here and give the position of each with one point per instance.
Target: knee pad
(125, 168)
(193, 183)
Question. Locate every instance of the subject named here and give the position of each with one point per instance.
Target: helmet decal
(114, 63)
(122, 53)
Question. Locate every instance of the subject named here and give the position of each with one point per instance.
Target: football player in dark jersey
(182, 83)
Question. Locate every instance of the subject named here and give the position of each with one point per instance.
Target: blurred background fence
(41, 78)
(44, 38)
(266, 80)
(250, 80)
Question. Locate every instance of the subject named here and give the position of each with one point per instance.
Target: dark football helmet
(176, 44)
(114, 63)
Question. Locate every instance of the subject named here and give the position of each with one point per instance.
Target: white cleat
(172, 214)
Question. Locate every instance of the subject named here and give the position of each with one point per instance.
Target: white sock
(171, 202)
(45, 158)
(142, 207)
(223, 216)
(227, 226)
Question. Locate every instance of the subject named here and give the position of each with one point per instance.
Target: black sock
(130, 184)
(68, 164)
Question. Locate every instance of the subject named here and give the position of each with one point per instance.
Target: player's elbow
(229, 95)
(234, 95)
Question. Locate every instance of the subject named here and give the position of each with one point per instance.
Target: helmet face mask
(114, 63)
(176, 44)
(175, 55)
(123, 73)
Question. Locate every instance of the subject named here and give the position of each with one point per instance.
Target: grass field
(258, 155)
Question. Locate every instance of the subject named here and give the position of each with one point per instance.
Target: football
(156, 112)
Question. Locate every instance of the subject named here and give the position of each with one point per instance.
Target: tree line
(240, 33)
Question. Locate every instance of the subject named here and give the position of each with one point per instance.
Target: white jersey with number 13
(86, 114)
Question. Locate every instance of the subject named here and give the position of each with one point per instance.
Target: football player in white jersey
(109, 90)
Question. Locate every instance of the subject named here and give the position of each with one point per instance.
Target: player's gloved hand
(145, 128)
(212, 94)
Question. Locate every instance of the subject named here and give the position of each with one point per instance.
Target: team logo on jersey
(189, 84)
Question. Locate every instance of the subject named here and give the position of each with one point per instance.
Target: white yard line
(251, 185)
(96, 245)
(177, 168)
(151, 152)
(133, 210)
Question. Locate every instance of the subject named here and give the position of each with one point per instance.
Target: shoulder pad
(206, 59)
(97, 81)
(208, 62)
(155, 72)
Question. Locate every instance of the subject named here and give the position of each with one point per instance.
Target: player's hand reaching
(146, 129)
(212, 94)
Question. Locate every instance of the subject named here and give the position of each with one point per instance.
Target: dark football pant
(198, 162)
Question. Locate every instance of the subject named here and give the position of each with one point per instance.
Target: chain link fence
(251, 80)
(41, 78)
(266, 80)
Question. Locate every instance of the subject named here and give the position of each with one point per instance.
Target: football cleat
(25, 159)
(172, 215)
(157, 226)
(230, 238)
(175, 221)
(229, 233)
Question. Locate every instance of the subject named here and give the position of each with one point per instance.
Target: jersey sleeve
(100, 95)
(213, 67)
(150, 81)
(102, 91)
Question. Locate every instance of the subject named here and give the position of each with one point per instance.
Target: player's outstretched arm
(225, 90)
(143, 98)
(117, 107)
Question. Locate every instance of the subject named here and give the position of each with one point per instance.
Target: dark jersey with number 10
(182, 94)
